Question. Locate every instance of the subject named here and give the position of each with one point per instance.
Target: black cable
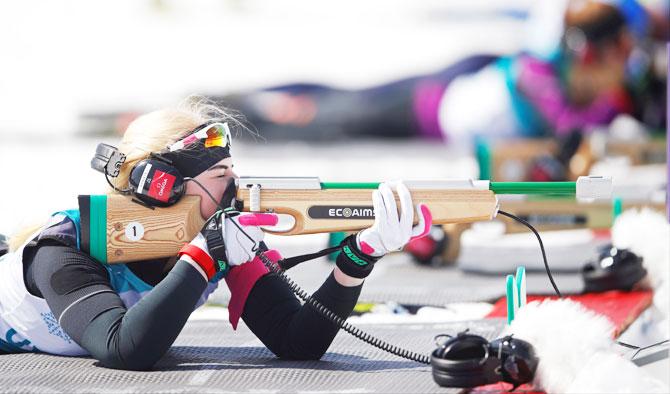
(291, 262)
(355, 331)
(225, 211)
(342, 323)
(331, 316)
(321, 309)
(544, 254)
(637, 349)
(122, 191)
(218, 204)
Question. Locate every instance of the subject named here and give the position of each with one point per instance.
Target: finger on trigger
(377, 204)
(389, 203)
(406, 208)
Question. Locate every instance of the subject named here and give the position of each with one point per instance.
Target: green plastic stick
(562, 188)
(554, 188)
(512, 297)
(349, 185)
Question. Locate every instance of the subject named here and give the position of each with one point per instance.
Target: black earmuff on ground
(468, 360)
(614, 269)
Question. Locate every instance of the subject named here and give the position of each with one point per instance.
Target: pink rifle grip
(259, 219)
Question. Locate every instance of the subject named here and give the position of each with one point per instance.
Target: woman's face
(215, 180)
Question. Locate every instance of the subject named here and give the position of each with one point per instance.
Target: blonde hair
(152, 132)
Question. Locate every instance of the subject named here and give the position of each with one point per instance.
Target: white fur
(576, 351)
(647, 233)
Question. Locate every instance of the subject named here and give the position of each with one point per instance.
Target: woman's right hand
(226, 240)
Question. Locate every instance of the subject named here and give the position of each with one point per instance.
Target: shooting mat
(208, 357)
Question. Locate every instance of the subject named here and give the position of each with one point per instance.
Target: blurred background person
(601, 67)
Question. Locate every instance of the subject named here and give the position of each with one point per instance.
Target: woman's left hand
(389, 232)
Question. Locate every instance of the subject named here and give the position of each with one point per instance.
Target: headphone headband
(205, 146)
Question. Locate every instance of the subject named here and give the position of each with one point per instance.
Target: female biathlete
(56, 299)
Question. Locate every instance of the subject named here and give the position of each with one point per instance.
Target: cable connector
(594, 187)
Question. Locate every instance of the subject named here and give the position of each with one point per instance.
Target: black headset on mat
(468, 360)
(156, 181)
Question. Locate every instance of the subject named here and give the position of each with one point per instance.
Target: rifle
(117, 229)
(547, 214)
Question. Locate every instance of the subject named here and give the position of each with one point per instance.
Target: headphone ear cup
(156, 183)
(463, 361)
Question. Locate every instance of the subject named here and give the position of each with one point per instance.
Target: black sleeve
(291, 330)
(79, 293)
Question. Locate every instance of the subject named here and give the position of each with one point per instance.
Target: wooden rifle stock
(116, 229)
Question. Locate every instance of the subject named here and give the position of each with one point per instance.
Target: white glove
(243, 246)
(227, 241)
(390, 233)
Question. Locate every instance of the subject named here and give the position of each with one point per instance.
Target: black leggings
(78, 292)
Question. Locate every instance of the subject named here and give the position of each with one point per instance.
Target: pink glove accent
(241, 279)
(427, 221)
(367, 249)
(259, 219)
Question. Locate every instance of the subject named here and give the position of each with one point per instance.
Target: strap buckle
(107, 160)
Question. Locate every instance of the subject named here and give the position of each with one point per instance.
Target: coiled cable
(331, 316)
